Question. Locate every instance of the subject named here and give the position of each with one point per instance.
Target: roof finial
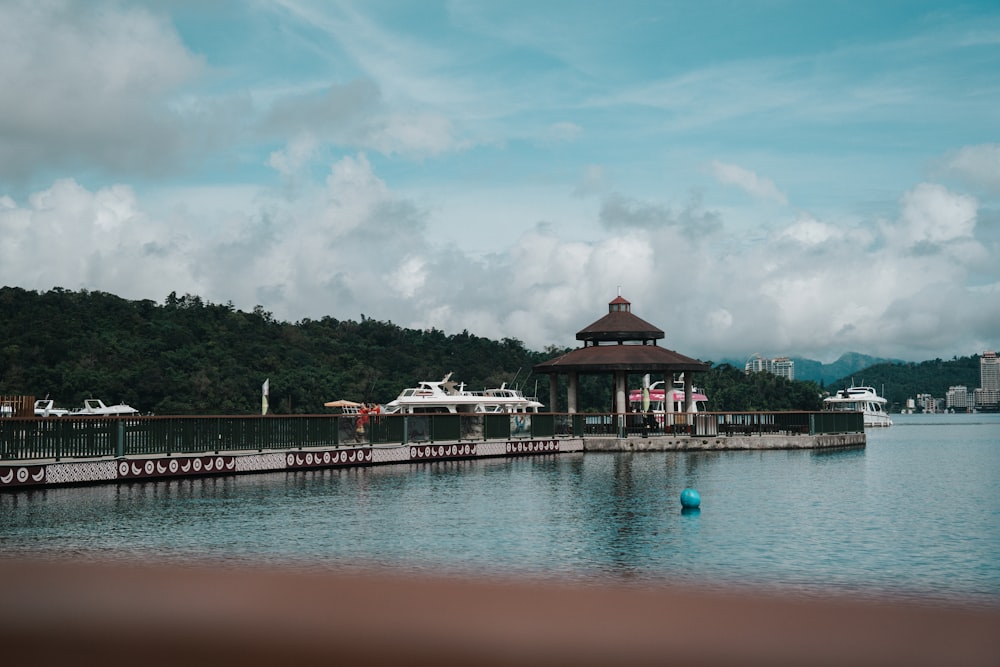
(619, 290)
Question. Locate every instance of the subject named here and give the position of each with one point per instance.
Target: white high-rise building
(989, 371)
(988, 394)
(781, 366)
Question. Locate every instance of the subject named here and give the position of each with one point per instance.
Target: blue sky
(788, 178)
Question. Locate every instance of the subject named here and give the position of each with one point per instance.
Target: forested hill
(189, 356)
(900, 381)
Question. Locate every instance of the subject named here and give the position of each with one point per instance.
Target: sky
(784, 178)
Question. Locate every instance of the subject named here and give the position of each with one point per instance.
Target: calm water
(915, 514)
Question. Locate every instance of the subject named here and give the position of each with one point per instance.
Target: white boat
(860, 399)
(658, 398)
(95, 407)
(451, 397)
(46, 407)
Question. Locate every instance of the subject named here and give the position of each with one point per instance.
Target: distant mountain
(848, 364)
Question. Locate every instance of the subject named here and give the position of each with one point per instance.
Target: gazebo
(620, 343)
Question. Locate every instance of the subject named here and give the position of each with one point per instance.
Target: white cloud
(82, 83)
(71, 237)
(932, 216)
(297, 154)
(564, 131)
(408, 278)
(748, 181)
(977, 165)
(809, 231)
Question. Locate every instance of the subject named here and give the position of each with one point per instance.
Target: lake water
(914, 514)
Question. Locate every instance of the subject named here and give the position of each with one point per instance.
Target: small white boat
(46, 407)
(451, 397)
(95, 407)
(860, 399)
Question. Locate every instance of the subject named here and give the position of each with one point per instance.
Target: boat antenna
(512, 382)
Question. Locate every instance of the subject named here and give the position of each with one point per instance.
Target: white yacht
(95, 407)
(450, 397)
(860, 399)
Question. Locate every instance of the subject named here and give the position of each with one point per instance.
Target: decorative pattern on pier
(439, 452)
(176, 467)
(522, 447)
(77, 473)
(390, 454)
(21, 476)
(335, 458)
(492, 448)
(260, 462)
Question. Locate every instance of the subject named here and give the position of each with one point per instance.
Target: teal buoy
(690, 498)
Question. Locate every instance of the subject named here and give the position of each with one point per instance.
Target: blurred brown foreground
(209, 614)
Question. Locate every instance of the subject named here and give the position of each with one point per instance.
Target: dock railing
(58, 438)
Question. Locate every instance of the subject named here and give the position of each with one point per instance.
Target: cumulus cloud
(71, 237)
(933, 217)
(89, 84)
(748, 181)
(977, 165)
(621, 212)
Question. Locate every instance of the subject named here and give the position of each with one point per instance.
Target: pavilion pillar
(621, 405)
(688, 392)
(573, 392)
(554, 392)
(668, 394)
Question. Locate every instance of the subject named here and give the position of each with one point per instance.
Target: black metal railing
(57, 438)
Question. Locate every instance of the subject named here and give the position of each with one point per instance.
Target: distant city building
(989, 371)
(926, 403)
(780, 366)
(988, 394)
(986, 399)
(957, 398)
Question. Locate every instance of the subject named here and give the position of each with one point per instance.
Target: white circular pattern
(173, 465)
(290, 459)
(22, 474)
(196, 464)
(123, 468)
(413, 452)
(326, 457)
(219, 463)
(150, 467)
(309, 458)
